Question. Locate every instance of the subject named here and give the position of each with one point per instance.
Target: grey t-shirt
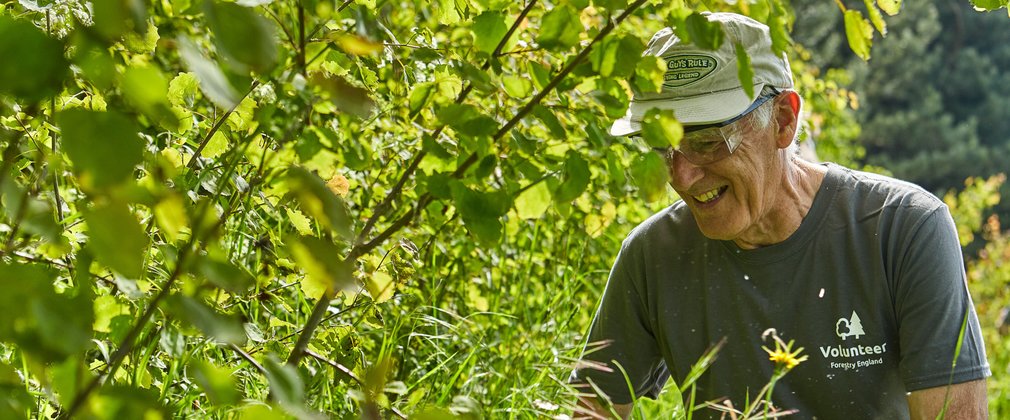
(872, 285)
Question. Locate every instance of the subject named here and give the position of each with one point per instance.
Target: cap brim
(698, 110)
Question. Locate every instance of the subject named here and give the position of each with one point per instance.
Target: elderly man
(863, 271)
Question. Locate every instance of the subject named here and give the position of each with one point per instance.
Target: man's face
(736, 195)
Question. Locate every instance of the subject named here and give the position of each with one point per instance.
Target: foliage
(275, 209)
(933, 99)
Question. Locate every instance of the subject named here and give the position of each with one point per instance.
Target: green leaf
(574, 179)
(22, 284)
(488, 30)
(744, 71)
(170, 213)
(420, 96)
(242, 35)
(285, 384)
(380, 286)
(617, 56)
(551, 121)
(225, 275)
(651, 175)
(533, 202)
(217, 382)
(213, 82)
(34, 67)
(704, 34)
(319, 202)
(560, 28)
(347, 97)
(661, 129)
(183, 90)
(14, 400)
(481, 211)
(216, 146)
(445, 11)
(891, 7)
(778, 27)
(518, 87)
(224, 328)
(116, 238)
(859, 33)
(324, 268)
(104, 146)
(114, 18)
(988, 4)
(649, 74)
(468, 120)
(875, 17)
(147, 89)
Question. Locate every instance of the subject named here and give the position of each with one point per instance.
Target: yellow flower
(783, 356)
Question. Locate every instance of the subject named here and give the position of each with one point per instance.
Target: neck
(788, 202)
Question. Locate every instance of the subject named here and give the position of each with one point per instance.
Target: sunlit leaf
(488, 30)
(445, 11)
(859, 33)
(532, 203)
(242, 35)
(650, 175)
(875, 17)
(116, 238)
(183, 90)
(34, 66)
(224, 328)
(891, 7)
(661, 129)
(323, 264)
(170, 213)
(107, 307)
(988, 4)
(649, 74)
(213, 82)
(301, 223)
(516, 86)
(380, 286)
(561, 28)
(318, 201)
(356, 45)
(104, 146)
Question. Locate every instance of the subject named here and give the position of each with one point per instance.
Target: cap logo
(682, 70)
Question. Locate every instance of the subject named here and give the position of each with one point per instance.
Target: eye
(708, 145)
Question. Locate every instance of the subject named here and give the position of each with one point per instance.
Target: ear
(787, 111)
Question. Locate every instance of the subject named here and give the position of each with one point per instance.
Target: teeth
(707, 196)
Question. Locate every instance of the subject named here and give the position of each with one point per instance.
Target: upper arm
(967, 400)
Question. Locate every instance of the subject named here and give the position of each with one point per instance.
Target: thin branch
(394, 193)
(217, 126)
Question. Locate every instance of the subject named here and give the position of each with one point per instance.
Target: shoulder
(874, 192)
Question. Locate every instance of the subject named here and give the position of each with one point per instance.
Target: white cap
(703, 86)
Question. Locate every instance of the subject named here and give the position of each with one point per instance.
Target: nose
(683, 173)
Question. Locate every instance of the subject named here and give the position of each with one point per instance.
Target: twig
(217, 126)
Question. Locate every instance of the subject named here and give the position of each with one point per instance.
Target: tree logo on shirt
(845, 328)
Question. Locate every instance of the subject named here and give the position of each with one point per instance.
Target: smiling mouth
(710, 195)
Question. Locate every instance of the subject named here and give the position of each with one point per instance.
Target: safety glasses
(710, 143)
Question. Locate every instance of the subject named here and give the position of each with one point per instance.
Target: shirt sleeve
(931, 304)
(621, 337)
